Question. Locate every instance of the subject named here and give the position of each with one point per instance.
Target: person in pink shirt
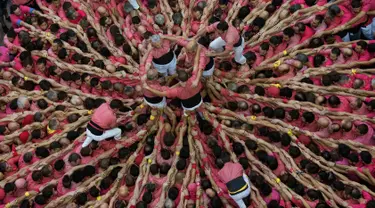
(64, 185)
(162, 56)
(361, 48)
(103, 123)
(320, 60)
(229, 37)
(27, 159)
(59, 169)
(10, 166)
(335, 55)
(337, 15)
(34, 180)
(19, 13)
(339, 103)
(96, 87)
(269, 193)
(349, 55)
(364, 133)
(304, 31)
(188, 91)
(149, 97)
(10, 191)
(237, 182)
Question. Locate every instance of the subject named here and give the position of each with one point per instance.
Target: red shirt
(368, 5)
(80, 14)
(159, 52)
(230, 171)
(307, 34)
(231, 36)
(185, 92)
(104, 117)
(24, 10)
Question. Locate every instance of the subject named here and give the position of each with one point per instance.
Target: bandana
(50, 131)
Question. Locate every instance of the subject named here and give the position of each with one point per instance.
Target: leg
(172, 66)
(217, 45)
(88, 139)
(238, 54)
(116, 133)
(134, 4)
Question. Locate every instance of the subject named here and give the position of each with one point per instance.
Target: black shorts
(192, 101)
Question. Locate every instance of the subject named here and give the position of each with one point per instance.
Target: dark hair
(275, 40)
(169, 139)
(154, 169)
(62, 53)
(74, 157)
(164, 168)
(37, 175)
(259, 22)
(318, 60)
(78, 176)
(59, 165)
(116, 104)
(67, 181)
(259, 90)
(223, 26)
(41, 152)
(251, 145)
(268, 112)
(366, 157)
(9, 187)
(81, 199)
(362, 128)
(272, 162)
(362, 44)
(344, 150)
(134, 170)
(40, 199)
(288, 31)
(94, 191)
(238, 149)
(147, 197)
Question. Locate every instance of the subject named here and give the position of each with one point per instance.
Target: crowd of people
(187, 103)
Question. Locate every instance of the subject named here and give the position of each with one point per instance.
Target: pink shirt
(4, 55)
(185, 92)
(273, 196)
(307, 34)
(159, 52)
(368, 5)
(104, 117)
(32, 185)
(367, 138)
(344, 105)
(22, 163)
(280, 168)
(15, 19)
(294, 40)
(230, 171)
(231, 36)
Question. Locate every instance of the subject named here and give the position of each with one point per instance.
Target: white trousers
(238, 198)
(134, 4)
(162, 104)
(167, 69)
(116, 133)
(219, 43)
(369, 30)
(192, 108)
(209, 73)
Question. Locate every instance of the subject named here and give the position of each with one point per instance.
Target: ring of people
(187, 103)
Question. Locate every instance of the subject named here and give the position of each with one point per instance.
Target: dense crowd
(187, 103)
